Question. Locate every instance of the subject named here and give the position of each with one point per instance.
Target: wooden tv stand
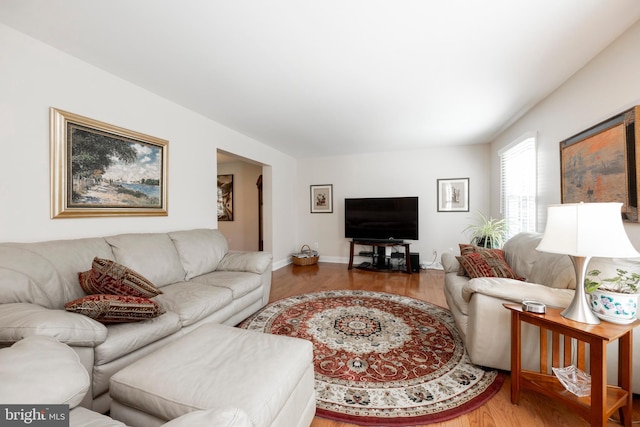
(382, 264)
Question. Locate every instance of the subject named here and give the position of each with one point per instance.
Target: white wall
(608, 85)
(242, 232)
(36, 77)
(409, 173)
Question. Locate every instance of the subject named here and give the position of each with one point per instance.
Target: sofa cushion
(449, 262)
(46, 273)
(109, 277)
(115, 308)
(489, 263)
(125, 338)
(200, 250)
(152, 254)
(218, 417)
(239, 283)
(252, 262)
(83, 417)
(521, 253)
(193, 301)
(22, 320)
(553, 270)
(41, 370)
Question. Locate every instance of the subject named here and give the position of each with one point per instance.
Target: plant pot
(614, 307)
(484, 242)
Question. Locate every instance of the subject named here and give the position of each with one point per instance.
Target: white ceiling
(327, 77)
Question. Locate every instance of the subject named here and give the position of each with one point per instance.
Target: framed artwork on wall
(225, 197)
(453, 195)
(321, 198)
(98, 169)
(599, 164)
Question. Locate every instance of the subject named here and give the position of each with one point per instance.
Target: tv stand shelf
(379, 260)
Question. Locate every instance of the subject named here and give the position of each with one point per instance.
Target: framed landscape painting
(99, 169)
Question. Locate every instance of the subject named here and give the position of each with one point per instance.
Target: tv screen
(381, 218)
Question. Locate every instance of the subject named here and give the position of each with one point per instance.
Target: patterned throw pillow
(109, 277)
(115, 308)
(466, 249)
(487, 263)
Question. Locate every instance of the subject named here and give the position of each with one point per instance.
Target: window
(518, 185)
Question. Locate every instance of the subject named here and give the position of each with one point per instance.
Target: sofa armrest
(512, 290)
(41, 370)
(20, 320)
(252, 262)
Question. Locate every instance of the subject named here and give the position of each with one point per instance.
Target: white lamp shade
(588, 230)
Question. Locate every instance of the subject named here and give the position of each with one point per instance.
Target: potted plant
(488, 233)
(614, 299)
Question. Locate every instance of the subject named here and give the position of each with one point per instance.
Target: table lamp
(583, 231)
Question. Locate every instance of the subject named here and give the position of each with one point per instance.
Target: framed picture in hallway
(225, 197)
(322, 198)
(453, 195)
(98, 169)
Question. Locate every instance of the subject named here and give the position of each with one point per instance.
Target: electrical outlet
(434, 253)
(315, 245)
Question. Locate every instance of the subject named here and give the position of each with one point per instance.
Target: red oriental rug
(382, 359)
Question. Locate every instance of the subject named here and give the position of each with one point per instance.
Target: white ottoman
(269, 377)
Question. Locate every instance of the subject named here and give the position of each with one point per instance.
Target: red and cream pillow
(116, 294)
(115, 308)
(466, 249)
(109, 277)
(487, 263)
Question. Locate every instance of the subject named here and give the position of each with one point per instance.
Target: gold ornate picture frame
(98, 169)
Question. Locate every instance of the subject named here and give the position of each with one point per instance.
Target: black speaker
(415, 261)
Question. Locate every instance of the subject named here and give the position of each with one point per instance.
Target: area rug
(381, 359)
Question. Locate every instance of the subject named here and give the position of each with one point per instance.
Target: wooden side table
(604, 399)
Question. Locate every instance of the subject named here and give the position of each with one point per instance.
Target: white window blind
(518, 186)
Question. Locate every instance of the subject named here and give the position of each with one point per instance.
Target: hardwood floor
(533, 410)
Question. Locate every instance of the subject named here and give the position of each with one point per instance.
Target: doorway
(247, 229)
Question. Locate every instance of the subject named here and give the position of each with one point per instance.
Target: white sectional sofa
(484, 323)
(200, 279)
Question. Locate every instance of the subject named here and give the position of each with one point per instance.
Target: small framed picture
(225, 197)
(453, 195)
(322, 198)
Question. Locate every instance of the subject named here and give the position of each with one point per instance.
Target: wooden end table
(604, 399)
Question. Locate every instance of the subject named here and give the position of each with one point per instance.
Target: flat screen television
(381, 218)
